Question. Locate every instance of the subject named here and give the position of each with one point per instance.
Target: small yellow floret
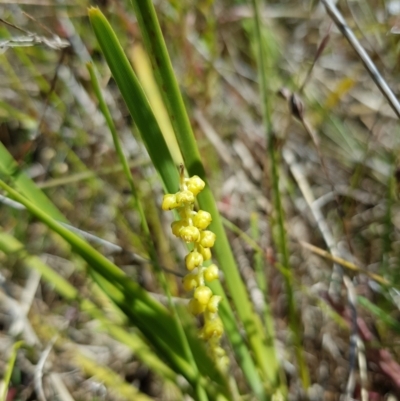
(207, 239)
(203, 294)
(190, 234)
(190, 281)
(195, 307)
(206, 252)
(177, 226)
(212, 305)
(193, 259)
(213, 328)
(184, 197)
(169, 202)
(211, 273)
(202, 219)
(195, 185)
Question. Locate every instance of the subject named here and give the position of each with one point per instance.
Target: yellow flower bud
(193, 259)
(212, 305)
(195, 307)
(184, 197)
(190, 234)
(202, 219)
(211, 273)
(202, 294)
(190, 281)
(207, 239)
(177, 226)
(213, 328)
(206, 252)
(195, 185)
(169, 202)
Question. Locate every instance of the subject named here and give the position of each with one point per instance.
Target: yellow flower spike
(192, 228)
(177, 226)
(202, 294)
(193, 259)
(211, 273)
(190, 234)
(202, 219)
(206, 252)
(212, 305)
(207, 239)
(190, 282)
(195, 185)
(169, 202)
(195, 307)
(184, 197)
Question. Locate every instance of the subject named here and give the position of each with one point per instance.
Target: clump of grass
(332, 186)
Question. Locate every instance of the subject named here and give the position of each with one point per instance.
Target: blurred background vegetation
(337, 142)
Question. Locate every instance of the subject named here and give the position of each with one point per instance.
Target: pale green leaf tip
(92, 11)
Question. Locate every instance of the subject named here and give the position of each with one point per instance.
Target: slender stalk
(340, 22)
(274, 172)
(8, 372)
(258, 256)
(87, 175)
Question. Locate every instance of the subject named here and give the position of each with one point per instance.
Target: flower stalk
(192, 229)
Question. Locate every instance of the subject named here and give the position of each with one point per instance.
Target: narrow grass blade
(110, 123)
(389, 229)
(258, 256)
(144, 71)
(345, 263)
(11, 113)
(280, 223)
(9, 369)
(10, 171)
(135, 100)
(109, 378)
(389, 321)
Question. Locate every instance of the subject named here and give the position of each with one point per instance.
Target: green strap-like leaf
(10, 171)
(135, 100)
